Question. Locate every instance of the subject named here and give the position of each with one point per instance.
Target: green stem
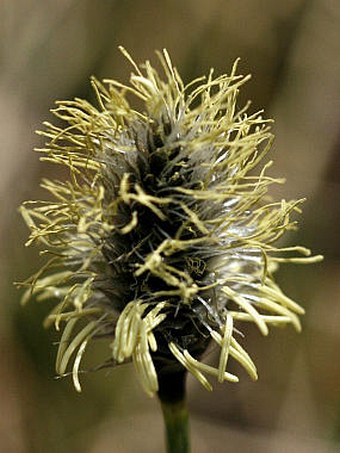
(176, 418)
(176, 421)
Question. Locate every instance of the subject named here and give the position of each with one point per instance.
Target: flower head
(161, 239)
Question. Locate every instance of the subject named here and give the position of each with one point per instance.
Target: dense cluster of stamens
(161, 239)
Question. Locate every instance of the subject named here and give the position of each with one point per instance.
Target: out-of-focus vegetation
(49, 49)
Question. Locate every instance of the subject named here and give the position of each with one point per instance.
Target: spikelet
(161, 239)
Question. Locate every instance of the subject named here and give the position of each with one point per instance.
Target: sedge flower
(163, 238)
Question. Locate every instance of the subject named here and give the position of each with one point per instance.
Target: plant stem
(176, 418)
(176, 421)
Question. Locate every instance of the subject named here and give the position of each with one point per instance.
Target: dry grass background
(48, 51)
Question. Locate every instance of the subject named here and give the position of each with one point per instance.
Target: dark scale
(160, 170)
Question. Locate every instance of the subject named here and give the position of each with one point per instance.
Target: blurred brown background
(48, 51)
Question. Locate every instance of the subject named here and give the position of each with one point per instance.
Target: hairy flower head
(161, 239)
